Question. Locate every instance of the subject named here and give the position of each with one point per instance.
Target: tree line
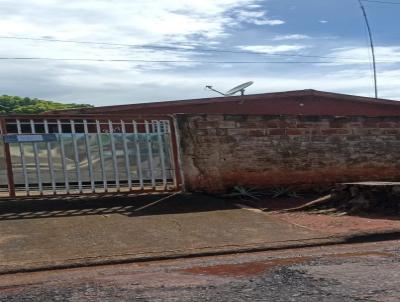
(25, 105)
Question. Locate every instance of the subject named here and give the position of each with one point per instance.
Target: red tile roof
(301, 102)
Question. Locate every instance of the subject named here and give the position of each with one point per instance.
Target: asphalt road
(358, 272)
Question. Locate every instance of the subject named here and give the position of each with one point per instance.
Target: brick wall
(221, 151)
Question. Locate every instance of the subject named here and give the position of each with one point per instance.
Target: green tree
(19, 105)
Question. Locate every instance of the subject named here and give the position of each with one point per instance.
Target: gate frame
(7, 157)
(175, 148)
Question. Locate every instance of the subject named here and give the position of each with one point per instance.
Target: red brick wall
(222, 151)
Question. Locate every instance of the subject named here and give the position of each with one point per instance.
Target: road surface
(357, 272)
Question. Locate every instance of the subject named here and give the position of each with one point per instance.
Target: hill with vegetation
(20, 105)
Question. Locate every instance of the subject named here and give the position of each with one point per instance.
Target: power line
(163, 61)
(184, 61)
(185, 48)
(382, 2)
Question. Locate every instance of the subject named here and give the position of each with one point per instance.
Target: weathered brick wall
(221, 151)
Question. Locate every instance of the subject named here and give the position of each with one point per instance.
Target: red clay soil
(326, 224)
(245, 269)
(339, 225)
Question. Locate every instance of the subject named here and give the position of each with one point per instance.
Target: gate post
(7, 156)
(176, 150)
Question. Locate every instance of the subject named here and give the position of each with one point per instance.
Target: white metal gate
(78, 155)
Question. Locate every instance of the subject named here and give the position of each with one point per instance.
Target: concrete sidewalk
(56, 233)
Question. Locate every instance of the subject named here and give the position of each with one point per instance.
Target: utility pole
(372, 46)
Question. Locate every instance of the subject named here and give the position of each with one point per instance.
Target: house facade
(306, 139)
(302, 138)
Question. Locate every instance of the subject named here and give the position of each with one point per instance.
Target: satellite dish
(241, 88)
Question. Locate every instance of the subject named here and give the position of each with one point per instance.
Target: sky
(177, 47)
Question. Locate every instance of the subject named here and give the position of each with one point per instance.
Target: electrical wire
(184, 61)
(382, 2)
(185, 48)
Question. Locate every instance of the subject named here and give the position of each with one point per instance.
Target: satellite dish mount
(241, 88)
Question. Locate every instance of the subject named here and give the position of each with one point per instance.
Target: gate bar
(50, 159)
(168, 135)
(102, 164)
(114, 155)
(63, 163)
(37, 161)
(150, 151)
(161, 150)
(127, 162)
(76, 157)
(138, 155)
(89, 155)
(23, 161)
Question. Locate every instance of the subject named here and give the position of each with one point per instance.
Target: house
(302, 138)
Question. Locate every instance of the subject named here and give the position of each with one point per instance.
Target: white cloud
(323, 21)
(257, 17)
(352, 81)
(272, 49)
(170, 22)
(134, 21)
(385, 55)
(291, 37)
(203, 23)
(106, 83)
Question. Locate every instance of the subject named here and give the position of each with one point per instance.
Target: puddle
(244, 269)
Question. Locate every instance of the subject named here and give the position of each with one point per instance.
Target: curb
(360, 237)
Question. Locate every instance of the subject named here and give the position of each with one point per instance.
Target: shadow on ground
(127, 205)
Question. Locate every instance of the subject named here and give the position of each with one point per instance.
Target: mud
(245, 269)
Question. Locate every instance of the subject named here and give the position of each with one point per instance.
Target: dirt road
(358, 272)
